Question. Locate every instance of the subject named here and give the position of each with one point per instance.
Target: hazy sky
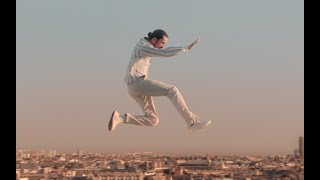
(246, 75)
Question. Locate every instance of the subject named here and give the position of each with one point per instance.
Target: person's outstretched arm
(166, 52)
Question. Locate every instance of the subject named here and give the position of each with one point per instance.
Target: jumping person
(142, 89)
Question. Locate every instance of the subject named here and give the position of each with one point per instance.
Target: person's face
(159, 43)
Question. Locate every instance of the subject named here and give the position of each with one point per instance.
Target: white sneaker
(199, 125)
(115, 120)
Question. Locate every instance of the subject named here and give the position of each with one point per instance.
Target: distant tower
(296, 153)
(52, 153)
(79, 153)
(209, 157)
(147, 166)
(301, 147)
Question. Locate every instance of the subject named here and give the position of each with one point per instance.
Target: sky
(246, 75)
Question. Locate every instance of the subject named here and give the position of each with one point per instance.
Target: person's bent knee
(154, 121)
(174, 90)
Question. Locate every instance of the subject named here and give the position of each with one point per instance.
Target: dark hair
(158, 33)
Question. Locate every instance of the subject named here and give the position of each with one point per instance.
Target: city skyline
(246, 75)
(154, 166)
(53, 152)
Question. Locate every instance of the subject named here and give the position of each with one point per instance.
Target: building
(209, 157)
(121, 176)
(195, 164)
(32, 176)
(81, 152)
(85, 171)
(51, 153)
(35, 153)
(296, 153)
(219, 166)
(17, 174)
(301, 147)
(157, 164)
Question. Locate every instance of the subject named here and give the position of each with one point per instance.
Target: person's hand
(193, 44)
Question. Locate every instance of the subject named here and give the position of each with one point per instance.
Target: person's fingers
(196, 41)
(193, 44)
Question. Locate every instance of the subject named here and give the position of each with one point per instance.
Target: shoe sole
(111, 121)
(206, 125)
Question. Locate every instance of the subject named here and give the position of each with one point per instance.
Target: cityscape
(83, 165)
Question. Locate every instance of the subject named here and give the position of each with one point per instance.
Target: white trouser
(142, 90)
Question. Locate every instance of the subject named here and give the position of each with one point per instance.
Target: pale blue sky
(246, 74)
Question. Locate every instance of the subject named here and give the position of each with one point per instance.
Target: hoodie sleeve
(166, 52)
